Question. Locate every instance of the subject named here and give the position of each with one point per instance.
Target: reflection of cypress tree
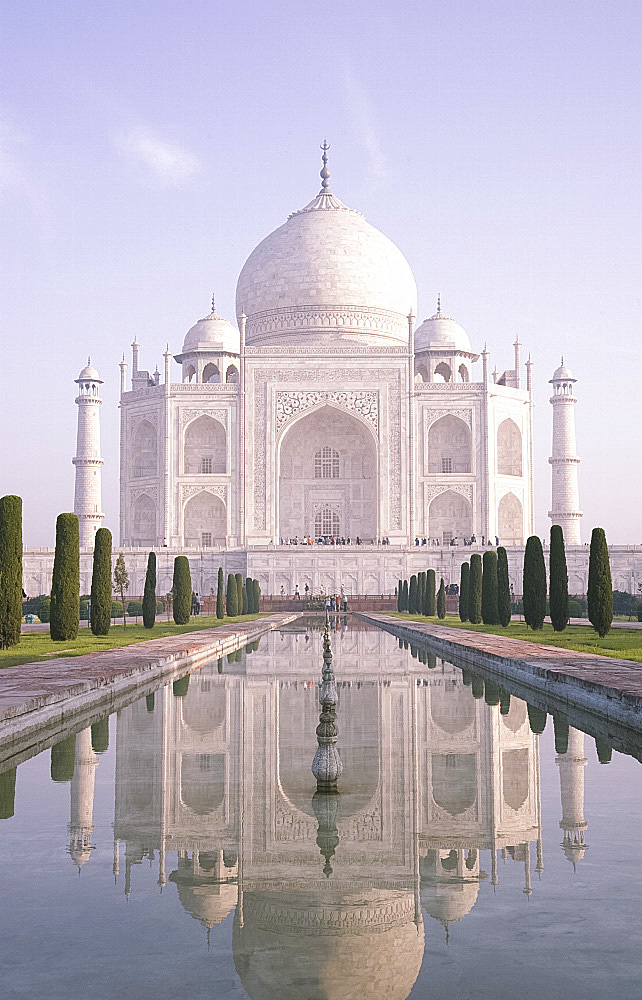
(431, 599)
(504, 701)
(219, 665)
(7, 793)
(464, 578)
(432, 661)
(604, 751)
(414, 652)
(63, 755)
(100, 735)
(475, 589)
(412, 595)
(181, 686)
(560, 728)
(149, 702)
(466, 678)
(477, 687)
(405, 644)
(504, 608)
(536, 719)
(491, 693)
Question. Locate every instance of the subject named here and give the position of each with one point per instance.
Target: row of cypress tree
(417, 596)
(484, 589)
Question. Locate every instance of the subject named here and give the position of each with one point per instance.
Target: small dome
(442, 332)
(563, 374)
(89, 373)
(212, 333)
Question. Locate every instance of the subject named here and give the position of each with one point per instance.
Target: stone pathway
(32, 694)
(603, 684)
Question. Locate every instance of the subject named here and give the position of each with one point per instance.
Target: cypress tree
(10, 571)
(149, 596)
(239, 592)
(256, 590)
(399, 595)
(182, 587)
(244, 608)
(100, 612)
(558, 590)
(504, 604)
(600, 592)
(490, 614)
(464, 580)
(475, 589)
(431, 600)
(412, 595)
(220, 597)
(65, 585)
(63, 756)
(121, 582)
(441, 600)
(250, 596)
(534, 587)
(7, 791)
(404, 596)
(536, 719)
(100, 733)
(231, 602)
(421, 587)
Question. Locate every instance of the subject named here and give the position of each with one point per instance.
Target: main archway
(327, 477)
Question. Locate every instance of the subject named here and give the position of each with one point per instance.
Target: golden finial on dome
(213, 303)
(439, 303)
(325, 173)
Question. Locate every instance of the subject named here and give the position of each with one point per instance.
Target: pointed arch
(509, 448)
(204, 520)
(144, 451)
(211, 373)
(510, 520)
(449, 446)
(205, 450)
(450, 516)
(143, 521)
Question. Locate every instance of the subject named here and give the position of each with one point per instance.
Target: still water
(177, 850)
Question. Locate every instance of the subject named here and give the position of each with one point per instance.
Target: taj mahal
(328, 412)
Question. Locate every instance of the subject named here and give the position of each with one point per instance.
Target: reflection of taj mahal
(217, 785)
(328, 411)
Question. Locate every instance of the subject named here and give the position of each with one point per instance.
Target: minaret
(571, 765)
(88, 493)
(82, 799)
(565, 501)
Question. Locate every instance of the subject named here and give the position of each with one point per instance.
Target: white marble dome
(563, 374)
(326, 275)
(440, 332)
(89, 373)
(212, 333)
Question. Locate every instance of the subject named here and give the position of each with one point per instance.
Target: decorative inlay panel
(432, 415)
(366, 404)
(220, 415)
(466, 490)
(188, 491)
(149, 491)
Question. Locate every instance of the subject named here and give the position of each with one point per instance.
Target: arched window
(463, 373)
(211, 373)
(232, 374)
(189, 373)
(510, 520)
(443, 372)
(144, 450)
(449, 446)
(509, 449)
(326, 522)
(205, 447)
(326, 464)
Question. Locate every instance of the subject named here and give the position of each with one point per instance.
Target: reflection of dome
(205, 897)
(448, 900)
(213, 333)
(326, 274)
(328, 944)
(441, 332)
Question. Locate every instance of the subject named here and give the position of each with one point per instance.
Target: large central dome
(326, 275)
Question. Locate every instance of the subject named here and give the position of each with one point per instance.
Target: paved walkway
(608, 686)
(33, 694)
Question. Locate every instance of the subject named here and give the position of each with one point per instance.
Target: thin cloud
(167, 162)
(364, 122)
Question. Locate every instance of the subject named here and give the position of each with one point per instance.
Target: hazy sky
(146, 148)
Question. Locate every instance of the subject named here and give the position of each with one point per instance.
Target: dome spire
(438, 303)
(213, 303)
(325, 173)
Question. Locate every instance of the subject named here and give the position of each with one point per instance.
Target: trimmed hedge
(231, 600)
(431, 586)
(558, 580)
(475, 590)
(534, 588)
(441, 600)
(490, 613)
(149, 594)
(464, 581)
(10, 571)
(504, 604)
(600, 592)
(100, 610)
(182, 588)
(65, 587)
(220, 594)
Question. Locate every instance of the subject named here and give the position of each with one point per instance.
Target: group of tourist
(454, 541)
(333, 540)
(333, 602)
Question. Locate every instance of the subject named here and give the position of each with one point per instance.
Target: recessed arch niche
(449, 446)
(450, 516)
(509, 449)
(205, 520)
(510, 520)
(144, 450)
(205, 447)
(202, 782)
(143, 521)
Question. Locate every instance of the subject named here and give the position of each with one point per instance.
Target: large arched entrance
(327, 477)
(450, 516)
(205, 521)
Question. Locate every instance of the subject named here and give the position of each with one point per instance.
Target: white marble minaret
(88, 492)
(571, 765)
(565, 502)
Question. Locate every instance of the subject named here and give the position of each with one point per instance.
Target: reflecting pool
(178, 848)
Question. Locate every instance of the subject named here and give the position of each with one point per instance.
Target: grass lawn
(37, 646)
(625, 644)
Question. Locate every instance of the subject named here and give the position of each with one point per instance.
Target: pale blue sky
(147, 147)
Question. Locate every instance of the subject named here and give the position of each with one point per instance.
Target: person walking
(297, 595)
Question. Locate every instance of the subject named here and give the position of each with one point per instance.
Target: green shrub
(441, 600)
(575, 609)
(504, 605)
(220, 596)
(135, 609)
(84, 610)
(475, 589)
(149, 593)
(8, 790)
(490, 613)
(431, 599)
(558, 576)
(10, 571)
(117, 609)
(534, 588)
(600, 591)
(63, 756)
(100, 611)
(182, 587)
(100, 735)
(231, 600)
(412, 595)
(65, 586)
(181, 686)
(44, 609)
(464, 580)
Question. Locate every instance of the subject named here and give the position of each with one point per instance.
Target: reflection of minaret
(571, 765)
(82, 799)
